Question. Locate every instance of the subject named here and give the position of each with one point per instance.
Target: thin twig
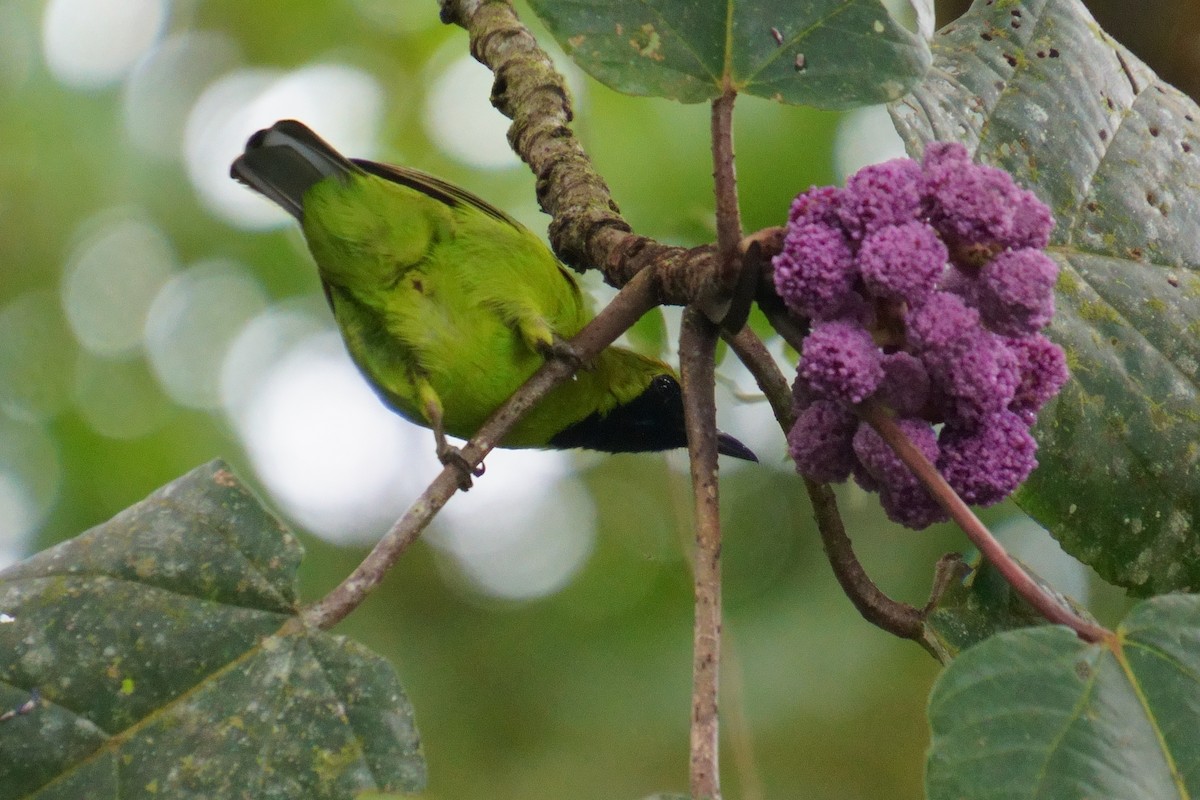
(625, 309)
(1045, 604)
(697, 347)
(899, 619)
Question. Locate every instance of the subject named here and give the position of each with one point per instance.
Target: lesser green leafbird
(447, 305)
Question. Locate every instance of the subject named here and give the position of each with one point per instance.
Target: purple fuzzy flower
(986, 464)
(1032, 223)
(818, 205)
(913, 507)
(1016, 291)
(971, 204)
(1043, 369)
(819, 442)
(955, 281)
(814, 273)
(937, 264)
(940, 322)
(905, 385)
(840, 361)
(881, 194)
(902, 262)
(863, 478)
(903, 497)
(882, 463)
(978, 377)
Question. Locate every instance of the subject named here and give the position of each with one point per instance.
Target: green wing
(434, 187)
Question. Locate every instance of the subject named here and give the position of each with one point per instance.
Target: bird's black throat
(651, 421)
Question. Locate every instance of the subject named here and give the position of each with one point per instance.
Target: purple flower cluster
(927, 287)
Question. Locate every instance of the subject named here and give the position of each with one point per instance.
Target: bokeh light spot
(1032, 544)
(161, 90)
(112, 276)
(461, 121)
(30, 475)
(341, 103)
(865, 136)
(191, 324)
(91, 43)
(260, 346)
(16, 519)
(524, 530)
(336, 460)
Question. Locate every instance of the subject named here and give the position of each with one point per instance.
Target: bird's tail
(283, 161)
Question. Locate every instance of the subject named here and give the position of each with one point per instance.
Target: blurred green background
(154, 315)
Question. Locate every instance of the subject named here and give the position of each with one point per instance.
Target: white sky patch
(91, 43)
(865, 136)
(30, 478)
(524, 530)
(18, 518)
(458, 114)
(334, 457)
(192, 322)
(461, 122)
(1033, 544)
(165, 84)
(260, 345)
(342, 104)
(112, 276)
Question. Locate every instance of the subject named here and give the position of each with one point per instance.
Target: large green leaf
(1038, 713)
(1038, 88)
(170, 662)
(826, 53)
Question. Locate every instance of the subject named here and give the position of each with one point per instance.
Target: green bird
(447, 304)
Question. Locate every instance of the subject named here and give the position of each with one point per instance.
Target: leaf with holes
(825, 53)
(1039, 713)
(160, 654)
(1039, 89)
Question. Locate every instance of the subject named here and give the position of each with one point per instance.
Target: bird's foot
(451, 456)
(561, 349)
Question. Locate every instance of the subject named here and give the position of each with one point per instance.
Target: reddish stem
(1033, 593)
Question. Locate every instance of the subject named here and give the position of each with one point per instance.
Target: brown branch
(587, 230)
(899, 619)
(1029, 589)
(697, 347)
(625, 309)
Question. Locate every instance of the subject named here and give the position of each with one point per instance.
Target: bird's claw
(451, 456)
(562, 350)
